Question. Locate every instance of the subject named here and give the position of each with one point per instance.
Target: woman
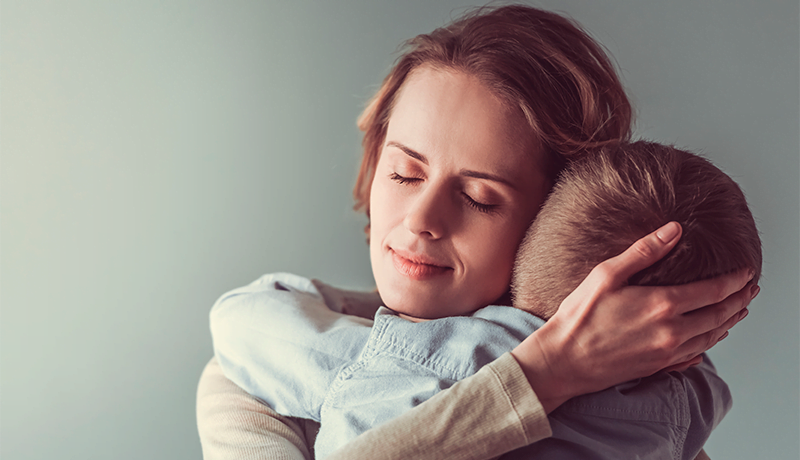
(462, 142)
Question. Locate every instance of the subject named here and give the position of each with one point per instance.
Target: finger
(703, 342)
(702, 320)
(692, 296)
(644, 252)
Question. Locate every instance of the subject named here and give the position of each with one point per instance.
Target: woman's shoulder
(348, 301)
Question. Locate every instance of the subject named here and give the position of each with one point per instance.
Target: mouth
(417, 266)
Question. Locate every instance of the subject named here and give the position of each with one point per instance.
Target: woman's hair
(561, 80)
(604, 202)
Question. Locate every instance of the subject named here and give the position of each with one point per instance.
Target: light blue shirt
(283, 340)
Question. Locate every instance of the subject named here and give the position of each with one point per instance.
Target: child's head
(604, 202)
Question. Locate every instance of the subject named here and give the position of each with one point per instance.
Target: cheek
(379, 206)
(383, 211)
(492, 260)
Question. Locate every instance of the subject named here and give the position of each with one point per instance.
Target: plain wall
(157, 154)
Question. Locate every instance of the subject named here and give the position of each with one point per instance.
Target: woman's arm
(654, 327)
(480, 417)
(618, 357)
(503, 414)
(461, 423)
(234, 426)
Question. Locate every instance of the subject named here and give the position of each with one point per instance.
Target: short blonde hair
(604, 202)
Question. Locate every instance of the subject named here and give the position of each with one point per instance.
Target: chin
(407, 307)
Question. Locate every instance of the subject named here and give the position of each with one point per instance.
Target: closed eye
(482, 207)
(403, 179)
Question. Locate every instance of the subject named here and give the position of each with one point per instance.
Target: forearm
(655, 327)
(280, 341)
(481, 417)
(234, 425)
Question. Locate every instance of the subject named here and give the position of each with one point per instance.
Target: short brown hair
(546, 65)
(604, 202)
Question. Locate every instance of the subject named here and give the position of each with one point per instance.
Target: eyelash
(402, 179)
(485, 208)
(480, 207)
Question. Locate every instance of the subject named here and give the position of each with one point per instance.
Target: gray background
(156, 154)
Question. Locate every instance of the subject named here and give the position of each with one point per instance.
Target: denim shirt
(284, 340)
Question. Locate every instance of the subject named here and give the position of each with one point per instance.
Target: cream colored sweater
(503, 414)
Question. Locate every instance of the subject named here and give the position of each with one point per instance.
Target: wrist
(539, 364)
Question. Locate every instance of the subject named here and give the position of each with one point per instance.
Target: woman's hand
(606, 332)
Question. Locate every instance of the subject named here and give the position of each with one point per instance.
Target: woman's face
(455, 188)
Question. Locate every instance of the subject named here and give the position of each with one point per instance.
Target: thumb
(645, 252)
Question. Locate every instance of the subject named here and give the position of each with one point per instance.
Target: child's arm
(478, 418)
(233, 425)
(278, 340)
(587, 427)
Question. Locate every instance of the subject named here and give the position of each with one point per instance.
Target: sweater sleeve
(278, 340)
(481, 417)
(235, 426)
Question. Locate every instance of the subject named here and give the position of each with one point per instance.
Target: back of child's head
(605, 201)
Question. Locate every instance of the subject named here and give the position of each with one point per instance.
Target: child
(599, 207)
(285, 339)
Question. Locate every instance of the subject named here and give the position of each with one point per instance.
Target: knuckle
(671, 343)
(602, 270)
(719, 292)
(644, 248)
(710, 339)
(667, 343)
(720, 317)
(603, 275)
(664, 306)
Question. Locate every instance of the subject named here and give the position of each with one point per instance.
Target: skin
(454, 191)
(655, 328)
(445, 134)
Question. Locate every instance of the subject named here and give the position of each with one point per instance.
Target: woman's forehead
(453, 115)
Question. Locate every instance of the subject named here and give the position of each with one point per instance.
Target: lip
(416, 266)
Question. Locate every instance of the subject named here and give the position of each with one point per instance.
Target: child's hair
(542, 63)
(604, 202)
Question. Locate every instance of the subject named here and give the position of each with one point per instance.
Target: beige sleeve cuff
(521, 399)
(481, 417)
(234, 425)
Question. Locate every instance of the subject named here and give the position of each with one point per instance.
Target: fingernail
(723, 336)
(743, 314)
(668, 232)
(754, 290)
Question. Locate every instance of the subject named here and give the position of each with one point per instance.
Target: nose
(429, 213)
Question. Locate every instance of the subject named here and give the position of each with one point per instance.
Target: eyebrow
(408, 151)
(464, 172)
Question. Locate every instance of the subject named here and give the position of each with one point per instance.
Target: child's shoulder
(675, 408)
